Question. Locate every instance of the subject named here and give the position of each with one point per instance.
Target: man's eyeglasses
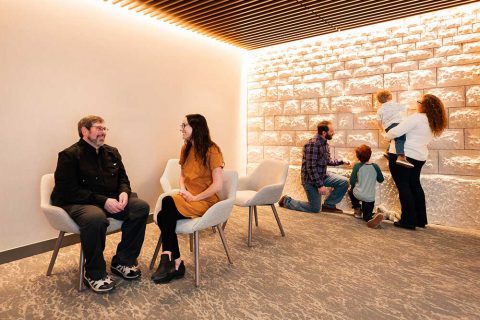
(100, 128)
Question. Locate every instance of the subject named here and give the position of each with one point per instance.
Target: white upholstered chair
(170, 178)
(215, 216)
(263, 187)
(61, 221)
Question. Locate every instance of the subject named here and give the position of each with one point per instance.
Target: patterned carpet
(327, 267)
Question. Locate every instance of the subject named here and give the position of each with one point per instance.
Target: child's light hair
(384, 96)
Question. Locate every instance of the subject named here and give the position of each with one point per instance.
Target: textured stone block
(399, 33)
(389, 50)
(472, 139)
(253, 138)
(257, 95)
(406, 47)
(451, 96)
(339, 139)
(450, 139)
(422, 79)
(254, 85)
(452, 23)
(345, 154)
(292, 80)
(276, 153)
(343, 74)
(416, 29)
(420, 54)
(324, 106)
(471, 47)
(473, 96)
(367, 71)
(291, 107)
(309, 106)
(319, 69)
(254, 109)
(334, 88)
(272, 108)
(412, 38)
(405, 66)
(396, 57)
(358, 137)
(296, 154)
(447, 41)
(354, 104)
(352, 64)
(291, 123)
(409, 98)
(466, 58)
(443, 33)
(448, 50)
(317, 77)
(459, 162)
(287, 138)
(429, 44)
(345, 121)
(285, 92)
(255, 123)
(348, 55)
(269, 138)
(254, 154)
(365, 121)
(432, 63)
(393, 41)
(472, 37)
(367, 53)
(464, 117)
(302, 137)
(269, 123)
(426, 36)
(465, 29)
(396, 81)
(374, 61)
(308, 90)
(364, 85)
(459, 75)
(315, 120)
(334, 67)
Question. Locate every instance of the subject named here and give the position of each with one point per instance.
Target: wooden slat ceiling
(253, 24)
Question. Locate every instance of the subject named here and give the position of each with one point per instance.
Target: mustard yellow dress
(197, 178)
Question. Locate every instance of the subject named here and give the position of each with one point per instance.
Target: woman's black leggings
(410, 191)
(167, 222)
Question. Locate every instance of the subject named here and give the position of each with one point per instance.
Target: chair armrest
(59, 219)
(242, 183)
(268, 194)
(216, 214)
(158, 205)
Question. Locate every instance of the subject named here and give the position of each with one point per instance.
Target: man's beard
(99, 141)
(329, 136)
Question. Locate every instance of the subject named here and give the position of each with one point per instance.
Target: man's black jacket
(85, 177)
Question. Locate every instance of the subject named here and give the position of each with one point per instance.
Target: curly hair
(200, 137)
(384, 96)
(433, 107)
(363, 153)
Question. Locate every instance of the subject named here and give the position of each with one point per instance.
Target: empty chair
(263, 187)
(61, 221)
(215, 216)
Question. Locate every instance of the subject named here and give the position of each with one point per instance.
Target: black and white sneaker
(103, 285)
(126, 272)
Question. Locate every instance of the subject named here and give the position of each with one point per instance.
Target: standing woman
(200, 180)
(420, 129)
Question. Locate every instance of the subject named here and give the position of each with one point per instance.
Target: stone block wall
(334, 77)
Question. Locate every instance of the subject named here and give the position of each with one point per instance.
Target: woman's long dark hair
(436, 114)
(200, 137)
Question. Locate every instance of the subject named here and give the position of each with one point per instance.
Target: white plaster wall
(61, 60)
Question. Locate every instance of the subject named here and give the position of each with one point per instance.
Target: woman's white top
(418, 134)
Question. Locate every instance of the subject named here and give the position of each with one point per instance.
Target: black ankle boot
(165, 271)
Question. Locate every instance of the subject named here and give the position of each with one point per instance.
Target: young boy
(362, 182)
(389, 116)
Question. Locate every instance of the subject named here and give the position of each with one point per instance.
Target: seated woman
(200, 180)
(420, 129)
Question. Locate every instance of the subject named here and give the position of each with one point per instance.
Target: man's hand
(113, 206)
(187, 195)
(347, 162)
(123, 199)
(322, 190)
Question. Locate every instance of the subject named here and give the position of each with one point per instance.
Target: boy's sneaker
(357, 213)
(103, 285)
(375, 221)
(402, 161)
(126, 272)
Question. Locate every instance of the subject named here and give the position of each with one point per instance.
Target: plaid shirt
(316, 157)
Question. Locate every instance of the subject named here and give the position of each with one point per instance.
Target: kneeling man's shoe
(103, 285)
(165, 271)
(331, 209)
(127, 272)
(375, 221)
(281, 202)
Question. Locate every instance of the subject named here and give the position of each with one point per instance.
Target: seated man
(315, 178)
(91, 184)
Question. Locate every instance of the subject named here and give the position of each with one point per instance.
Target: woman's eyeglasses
(183, 125)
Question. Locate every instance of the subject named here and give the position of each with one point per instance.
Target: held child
(362, 183)
(389, 116)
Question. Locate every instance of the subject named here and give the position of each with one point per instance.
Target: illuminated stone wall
(293, 87)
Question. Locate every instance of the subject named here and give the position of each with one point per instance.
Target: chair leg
(224, 224)
(250, 214)
(191, 241)
(213, 230)
(224, 241)
(278, 220)
(256, 216)
(197, 263)
(155, 253)
(81, 284)
(55, 252)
